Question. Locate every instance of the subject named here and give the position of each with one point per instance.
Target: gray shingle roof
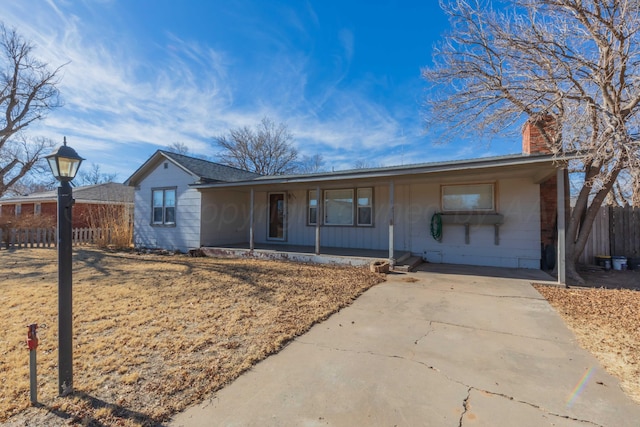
(210, 171)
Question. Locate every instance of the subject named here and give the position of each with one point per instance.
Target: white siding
(186, 234)
(225, 217)
(519, 245)
(299, 233)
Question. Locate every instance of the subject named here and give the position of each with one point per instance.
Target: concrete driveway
(447, 346)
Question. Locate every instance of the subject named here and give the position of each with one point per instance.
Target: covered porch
(288, 217)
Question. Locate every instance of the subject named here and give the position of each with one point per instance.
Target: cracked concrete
(465, 407)
(458, 347)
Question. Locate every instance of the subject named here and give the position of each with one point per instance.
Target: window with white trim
(18, 209)
(365, 206)
(345, 206)
(312, 210)
(37, 209)
(163, 202)
(468, 198)
(338, 207)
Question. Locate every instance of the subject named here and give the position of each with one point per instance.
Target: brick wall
(532, 140)
(83, 213)
(548, 211)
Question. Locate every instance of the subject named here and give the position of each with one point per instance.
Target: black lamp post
(64, 163)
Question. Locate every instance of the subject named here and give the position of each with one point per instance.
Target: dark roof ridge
(172, 154)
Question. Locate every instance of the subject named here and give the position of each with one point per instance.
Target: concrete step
(408, 264)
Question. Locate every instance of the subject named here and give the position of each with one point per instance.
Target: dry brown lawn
(153, 334)
(605, 318)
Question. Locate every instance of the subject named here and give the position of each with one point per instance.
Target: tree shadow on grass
(115, 412)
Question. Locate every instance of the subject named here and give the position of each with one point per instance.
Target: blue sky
(142, 74)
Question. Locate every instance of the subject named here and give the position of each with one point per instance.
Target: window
(312, 214)
(18, 209)
(365, 206)
(468, 198)
(164, 206)
(338, 207)
(343, 207)
(37, 209)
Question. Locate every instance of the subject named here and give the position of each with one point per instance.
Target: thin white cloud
(116, 97)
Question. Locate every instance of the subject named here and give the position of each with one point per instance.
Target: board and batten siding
(519, 243)
(299, 233)
(415, 203)
(186, 234)
(225, 217)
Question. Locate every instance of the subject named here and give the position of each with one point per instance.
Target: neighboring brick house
(42, 207)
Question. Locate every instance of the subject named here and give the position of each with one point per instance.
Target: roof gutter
(429, 168)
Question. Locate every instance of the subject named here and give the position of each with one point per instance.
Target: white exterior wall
(519, 244)
(299, 233)
(225, 217)
(186, 234)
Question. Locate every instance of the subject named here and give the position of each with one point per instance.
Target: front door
(277, 216)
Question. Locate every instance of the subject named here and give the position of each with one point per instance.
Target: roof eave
(427, 168)
(150, 164)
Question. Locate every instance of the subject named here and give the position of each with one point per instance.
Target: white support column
(251, 244)
(562, 271)
(318, 219)
(392, 261)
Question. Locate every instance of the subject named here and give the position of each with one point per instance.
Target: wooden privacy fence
(616, 231)
(15, 238)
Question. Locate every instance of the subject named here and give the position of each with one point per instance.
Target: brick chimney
(533, 141)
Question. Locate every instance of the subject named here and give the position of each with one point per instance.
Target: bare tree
(178, 148)
(574, 61)
(365, 164)
(29, 185)
(267, 149)
(28, 91)
(311, 164)
(94, 175)
(636, 188)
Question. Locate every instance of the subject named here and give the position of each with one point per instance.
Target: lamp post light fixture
(64, 163)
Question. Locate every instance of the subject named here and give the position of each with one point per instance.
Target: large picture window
(348, 206)
(338, 207)
(164, 206)
(468, 198)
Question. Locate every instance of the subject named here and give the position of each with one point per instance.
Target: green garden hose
(436, 226)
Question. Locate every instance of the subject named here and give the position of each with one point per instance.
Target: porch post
(251, 197)
(318, 216)
(392, 261)
(561, 226)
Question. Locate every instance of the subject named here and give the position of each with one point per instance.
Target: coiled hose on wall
(436, 226)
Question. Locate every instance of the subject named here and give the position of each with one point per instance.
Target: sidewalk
(435, 348)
